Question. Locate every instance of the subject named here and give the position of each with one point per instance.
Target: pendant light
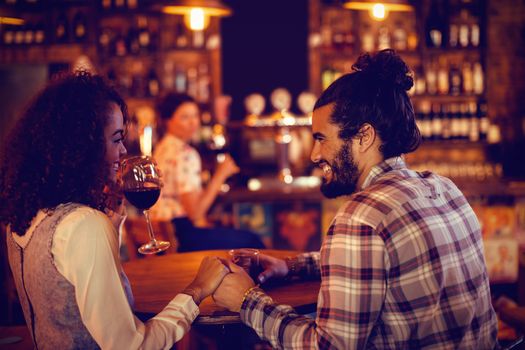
(379, 10)
(197, 13)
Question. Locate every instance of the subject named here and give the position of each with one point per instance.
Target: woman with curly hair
(62, 238)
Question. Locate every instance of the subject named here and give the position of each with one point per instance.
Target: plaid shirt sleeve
(351, 296)
(307, 265)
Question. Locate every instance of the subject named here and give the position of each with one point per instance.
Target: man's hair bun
(387, 67)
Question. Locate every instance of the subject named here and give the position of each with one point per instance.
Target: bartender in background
(183, 199)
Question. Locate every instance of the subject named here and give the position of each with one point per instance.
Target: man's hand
(273, 268)
(211, 272)
(231, 291)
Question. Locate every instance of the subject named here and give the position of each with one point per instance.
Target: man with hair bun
(402, 263)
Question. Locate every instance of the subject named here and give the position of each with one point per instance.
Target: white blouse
(85, 249)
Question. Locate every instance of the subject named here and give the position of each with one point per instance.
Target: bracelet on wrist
(246, 294)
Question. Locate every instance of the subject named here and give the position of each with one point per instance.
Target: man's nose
(315, 155)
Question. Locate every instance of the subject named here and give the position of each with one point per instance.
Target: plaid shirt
(401, 267)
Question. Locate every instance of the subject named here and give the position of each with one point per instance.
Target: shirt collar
(382, 168)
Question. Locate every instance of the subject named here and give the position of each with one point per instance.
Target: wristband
(246, 294)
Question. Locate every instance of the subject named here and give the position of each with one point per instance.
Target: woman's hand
(232, 289)
(273, 268)
(211, 272)
(227, 167)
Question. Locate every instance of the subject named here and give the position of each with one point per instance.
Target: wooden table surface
(156, 280)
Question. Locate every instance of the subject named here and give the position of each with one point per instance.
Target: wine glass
(141, 185)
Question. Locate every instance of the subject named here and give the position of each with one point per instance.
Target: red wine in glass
(141, 186)
(142, 198)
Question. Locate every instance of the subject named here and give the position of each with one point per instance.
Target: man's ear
(367, 137)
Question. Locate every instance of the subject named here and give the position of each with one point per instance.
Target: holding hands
(230, 294)
(211, 272)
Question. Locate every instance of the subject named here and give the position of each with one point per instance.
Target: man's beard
(344, 174)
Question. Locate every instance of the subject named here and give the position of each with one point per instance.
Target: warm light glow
(254, 184)
(379, 12)
(11, 21)
(197, 19)
(146, 141)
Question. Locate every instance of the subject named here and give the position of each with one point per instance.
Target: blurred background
(256, 67)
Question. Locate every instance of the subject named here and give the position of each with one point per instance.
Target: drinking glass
(141, 185)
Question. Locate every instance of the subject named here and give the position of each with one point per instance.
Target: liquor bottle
(19, 35)
(181, 40)
(434, 26)
(119, 46)
(105, 41)
(431, 77)
(436, 126)
(399, 38)
(442, 79)
(181, 80)
(420, 82)
(8, 37)
(455, 122)
(199, 39)
(474, 123)
(153, 83)
(133, 41)
(203, 82)
(483, 120)
(29, 34)
(80, 27)
(474, 35)
(192, 82)
(464, 122)
(367, 39)
(144, 35)
(455, 80)
(468, 82)
(426, 120)
(445, 121)
(477, 79)
(40, 33)
(383, 38)
(453, 35)
(61, 28)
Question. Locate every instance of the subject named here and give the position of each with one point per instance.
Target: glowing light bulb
(198, 19)
(379, 12)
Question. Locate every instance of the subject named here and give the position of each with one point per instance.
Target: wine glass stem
(150, 229)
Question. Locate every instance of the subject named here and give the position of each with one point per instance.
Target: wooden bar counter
(156, 280)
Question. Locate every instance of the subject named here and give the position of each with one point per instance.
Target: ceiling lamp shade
(197, 13)
(8, 17)
(379, 10)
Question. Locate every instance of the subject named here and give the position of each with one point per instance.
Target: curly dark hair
(55, 153)
(375, 93)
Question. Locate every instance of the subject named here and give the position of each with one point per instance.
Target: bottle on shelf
(467, 78)
(203, 83)
(431, 78)
(181, 80)
(133, 41)
(144, 34)
(464, 122)
(61, 28)
(383, 38)
(455, 80)
(153, 84)
(29, 34)
(399, 37)
(181, 40)
(119, 46)
(436, 123)
(443, 87)
(8, 35)
(40, 33)
(19, 35)
(80, 27)
(478, 85)
(455, 121)
(483, 118)
(435, 25)
(474, 123)
(445, 121)
(105, 41)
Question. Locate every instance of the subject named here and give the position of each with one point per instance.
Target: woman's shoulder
(83, 214)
